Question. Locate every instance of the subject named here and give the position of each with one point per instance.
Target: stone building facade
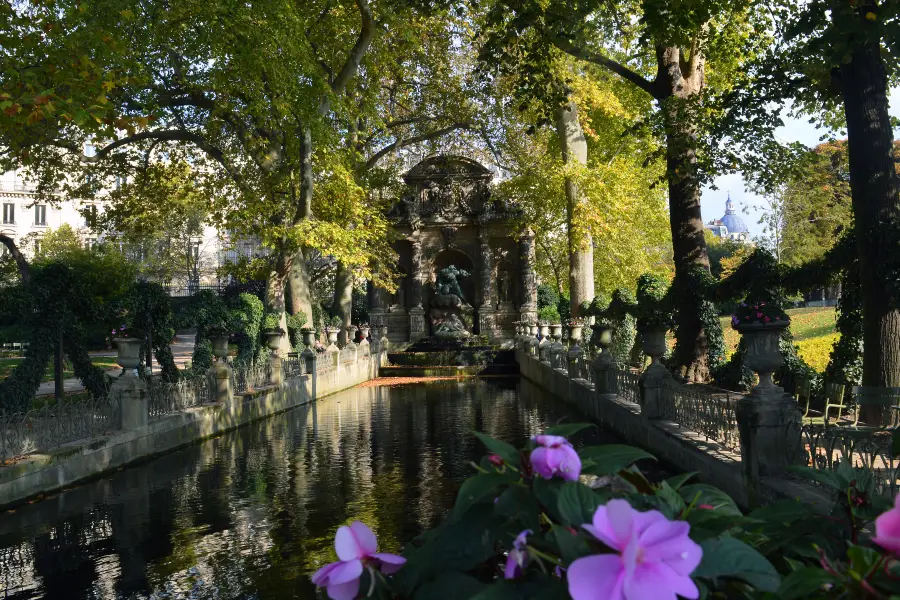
(448, 218)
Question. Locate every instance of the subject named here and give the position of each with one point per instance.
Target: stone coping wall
(686, 450)
(43, 473)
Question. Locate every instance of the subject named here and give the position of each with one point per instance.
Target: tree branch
(21, 262)
(607, 63)
(351, 66)
(402, 143)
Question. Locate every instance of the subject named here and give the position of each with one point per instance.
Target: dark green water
(253, 513)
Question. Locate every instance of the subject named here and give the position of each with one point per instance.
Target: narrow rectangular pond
(251, 514)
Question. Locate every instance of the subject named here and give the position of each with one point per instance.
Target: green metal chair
(834, 399)
(888, 398)
(803, 396)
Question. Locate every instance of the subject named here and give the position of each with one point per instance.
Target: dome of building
(732, 220)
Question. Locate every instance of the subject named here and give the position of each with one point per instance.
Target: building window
(90, 215)
(37, 246)
(9, 213)
(40, 214)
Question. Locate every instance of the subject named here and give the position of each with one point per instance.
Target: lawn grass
(814, 334)
(8, 364)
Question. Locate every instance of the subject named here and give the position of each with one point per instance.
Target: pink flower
(496, 460)
(654, 562)
(517, 559)
(356, 548)
(555, 456)
(759, 315)
(766, 319)
(887, 528)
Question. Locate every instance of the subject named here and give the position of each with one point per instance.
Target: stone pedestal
(275, 363)
(416, 323)
(134, 401)
(487, 321)
(309, 361)
(769, 424)
(606, 386)
(656, 385)
(575, 358)
(221, 374)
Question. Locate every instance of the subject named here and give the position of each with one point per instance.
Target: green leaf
(576, 503)
(729, 557)
(500, 448)
(712, 496)
(862, 559)
(518, 503)
(475, 489)
(571, 545)
(533, 587)
(610, 459)
(679, 480)
(567, 429)
(450, 586)
(547, 492)
(803, 583)
(825, 477)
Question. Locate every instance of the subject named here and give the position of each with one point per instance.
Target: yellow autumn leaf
(871, 16)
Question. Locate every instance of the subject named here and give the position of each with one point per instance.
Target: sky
(794, 130)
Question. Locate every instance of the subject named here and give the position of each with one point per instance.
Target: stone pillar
(576, 361)
(376, 308)
(220, 372)
(134, 400)
(486, 316)
(527, 281)
(768, 419)
(275, 363)
(656, 384)
(606, 386)
(417, 283)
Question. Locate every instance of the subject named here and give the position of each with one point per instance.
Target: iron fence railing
(53, 425)
(867, 449)
(251, 377)
(167, 398)
(704, 410)
(628, 385)
(292, 367)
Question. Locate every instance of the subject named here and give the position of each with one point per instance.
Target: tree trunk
(682, 82)
(874, 190)
(299, 289)
(581, 251)
(343, 297)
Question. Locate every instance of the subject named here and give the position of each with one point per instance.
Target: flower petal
(598, 577)
(364, 537)
(656, 581)
(390, 563)
(346, 571)
(344, 591)
(539, 461)
(320, 577)
(570, 467)
(550, 440)
(512, 569)
(669, 543)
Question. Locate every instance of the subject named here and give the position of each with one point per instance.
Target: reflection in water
(253, 513)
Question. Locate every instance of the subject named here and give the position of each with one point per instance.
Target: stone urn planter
(351, 333)
(602, 335)
(556, 332)
(575, 333)
(273, 338)
(533, 330)
(363, 332)
(309, 337)
(382, 331)
(219, 346)
(544, 331)
(653, 344)
(332, 333)
(128, 353)
(763, 352)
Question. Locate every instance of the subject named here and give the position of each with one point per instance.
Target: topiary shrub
(547, 296)
(549, 315)
(202, 358)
